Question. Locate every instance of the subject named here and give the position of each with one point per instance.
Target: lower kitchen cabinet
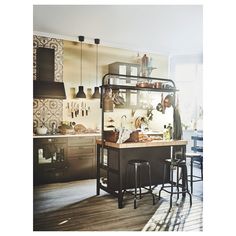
(64, 159)
(81, 158)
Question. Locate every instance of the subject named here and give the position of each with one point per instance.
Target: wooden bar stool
(194, 157)
(176, 164)
(137, 165)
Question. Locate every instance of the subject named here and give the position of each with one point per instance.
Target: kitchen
(68, 129)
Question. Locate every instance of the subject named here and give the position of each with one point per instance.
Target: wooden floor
(74, 206)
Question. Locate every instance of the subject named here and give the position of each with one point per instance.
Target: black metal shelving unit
(106, 83)
(112, 86)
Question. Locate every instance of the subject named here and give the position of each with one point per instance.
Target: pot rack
(107, 83)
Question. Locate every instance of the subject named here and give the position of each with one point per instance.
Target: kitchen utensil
(82, 108)
(72, 110)
(54, 128)
(142, 84)
(159, 107)
(117, 98)
(108, 102)
(163, 104)
(86, 109)
(77, 109)
(158, 85)
(68, 109)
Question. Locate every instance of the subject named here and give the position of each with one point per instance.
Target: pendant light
(96, 89)
(81, 93)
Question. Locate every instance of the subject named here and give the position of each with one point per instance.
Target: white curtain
(186, 71)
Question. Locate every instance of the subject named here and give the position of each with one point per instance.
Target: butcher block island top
(154, 143)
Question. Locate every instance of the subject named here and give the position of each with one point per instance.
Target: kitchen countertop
(154, 143)
(65, 135)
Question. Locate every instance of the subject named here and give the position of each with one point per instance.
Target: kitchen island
(112, 159)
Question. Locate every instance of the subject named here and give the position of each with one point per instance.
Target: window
(188, 79)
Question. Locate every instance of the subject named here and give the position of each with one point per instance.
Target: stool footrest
(179, 192)
(197, 178)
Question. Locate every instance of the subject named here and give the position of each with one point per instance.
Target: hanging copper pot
(158, 85)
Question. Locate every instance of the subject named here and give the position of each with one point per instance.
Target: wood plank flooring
(96, 213)
(73, 206)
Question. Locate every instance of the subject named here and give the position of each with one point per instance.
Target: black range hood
(44, 86)
(45, 89)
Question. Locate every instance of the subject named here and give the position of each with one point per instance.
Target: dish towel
(124, 134)
(177, 125)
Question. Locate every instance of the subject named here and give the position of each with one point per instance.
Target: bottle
(170, 129)
(144, 65)
(166, 134)
(53, 128)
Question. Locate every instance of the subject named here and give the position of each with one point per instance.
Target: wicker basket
(112, 136)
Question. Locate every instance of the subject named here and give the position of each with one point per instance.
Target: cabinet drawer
(81, 141)
(75, 152)
(49, 140)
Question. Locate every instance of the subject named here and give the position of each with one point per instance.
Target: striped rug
(181, 217)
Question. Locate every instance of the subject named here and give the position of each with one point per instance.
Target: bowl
(41, 130)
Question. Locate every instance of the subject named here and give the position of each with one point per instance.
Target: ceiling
(163, 29)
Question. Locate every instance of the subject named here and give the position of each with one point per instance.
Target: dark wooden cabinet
(64, 159)
(81, 158)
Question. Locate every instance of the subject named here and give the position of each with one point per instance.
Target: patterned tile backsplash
(57, 45)
(47, 111)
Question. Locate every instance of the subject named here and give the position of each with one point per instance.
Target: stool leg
(150, 183)
(177, 182)
(202, 170)
(171, 182)
(186, 179)
(191, 175)
(126, 178)
(163, 182)
(139, 181)
(135, 185)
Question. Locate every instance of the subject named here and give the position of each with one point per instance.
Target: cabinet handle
(85, 158)
(88, 157)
